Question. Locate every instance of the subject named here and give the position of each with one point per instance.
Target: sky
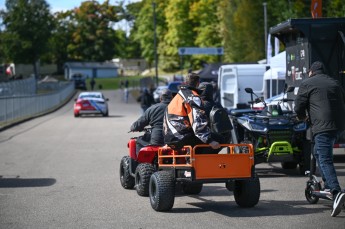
(61, 5)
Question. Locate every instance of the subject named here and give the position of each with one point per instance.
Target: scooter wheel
(312, 199)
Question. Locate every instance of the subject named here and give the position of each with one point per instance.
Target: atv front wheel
(127, 181)
(162, 190)
(142, 178)
(289, 165)
(247, 192)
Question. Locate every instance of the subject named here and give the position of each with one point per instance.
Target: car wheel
(142, 178)
(76, 115)
(162, 190)
(127, 181)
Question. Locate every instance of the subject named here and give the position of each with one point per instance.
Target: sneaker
(338, 203)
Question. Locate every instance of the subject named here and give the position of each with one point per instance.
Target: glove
(214, 145)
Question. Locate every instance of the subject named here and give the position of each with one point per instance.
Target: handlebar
(146, 129)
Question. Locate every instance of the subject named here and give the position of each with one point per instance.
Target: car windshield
(97, 96)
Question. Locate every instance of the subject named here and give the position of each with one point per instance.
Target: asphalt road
(57, 171)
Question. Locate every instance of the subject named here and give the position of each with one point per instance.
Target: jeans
(323, 152)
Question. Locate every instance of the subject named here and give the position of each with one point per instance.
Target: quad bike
(276, 134)
(137, 167)
(191, 170)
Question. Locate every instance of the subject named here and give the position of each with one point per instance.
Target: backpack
(219, 120)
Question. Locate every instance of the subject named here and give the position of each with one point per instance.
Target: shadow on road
(264, 208)
(26, 182)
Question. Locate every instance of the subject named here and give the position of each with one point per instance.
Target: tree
(179, 33)
(28, 26)
(93, 37)
(204, 14)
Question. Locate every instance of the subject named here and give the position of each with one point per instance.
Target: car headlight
(259, 128)
(302, 126)
(252, 126)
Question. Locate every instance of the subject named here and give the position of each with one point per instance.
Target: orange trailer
(233, 165)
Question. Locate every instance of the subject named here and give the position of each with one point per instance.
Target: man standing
(185, 121)
(321, 99)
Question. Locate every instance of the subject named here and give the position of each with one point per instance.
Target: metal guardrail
(19, 108)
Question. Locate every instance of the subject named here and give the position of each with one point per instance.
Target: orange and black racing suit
(185, 122)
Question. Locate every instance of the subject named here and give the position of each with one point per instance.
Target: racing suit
(185, 121)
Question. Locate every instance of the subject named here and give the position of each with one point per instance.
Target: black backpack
(219, 120)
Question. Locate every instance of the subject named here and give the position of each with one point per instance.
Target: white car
(157, 93)
(91, 103)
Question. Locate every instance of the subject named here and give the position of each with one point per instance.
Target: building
(91, 69)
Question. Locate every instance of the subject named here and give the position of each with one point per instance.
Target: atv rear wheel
(192, 188)
(162, 190)
(247, 192)
(142, 178)
(127, 181)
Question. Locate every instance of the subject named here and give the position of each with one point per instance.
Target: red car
(91, 103)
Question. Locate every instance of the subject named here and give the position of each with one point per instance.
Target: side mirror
(249, 90)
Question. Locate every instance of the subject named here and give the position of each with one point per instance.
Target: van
(234, 78)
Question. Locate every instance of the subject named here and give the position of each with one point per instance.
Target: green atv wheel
(247, 192)
(162, 191)
(127, 181)
(142, 178)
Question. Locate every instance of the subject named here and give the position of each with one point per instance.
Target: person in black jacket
(145, 99)
(321, 100)
(153, 117)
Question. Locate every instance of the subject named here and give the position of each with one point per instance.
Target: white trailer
(233, 79)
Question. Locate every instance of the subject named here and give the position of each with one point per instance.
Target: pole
(155, 41)
(265, 22)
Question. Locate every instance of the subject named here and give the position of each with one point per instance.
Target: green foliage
(31, 33)
(93, 39)
(28, 26)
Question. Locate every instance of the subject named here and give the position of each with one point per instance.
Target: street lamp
(155, 41)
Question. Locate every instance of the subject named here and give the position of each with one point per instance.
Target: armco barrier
(16, 109)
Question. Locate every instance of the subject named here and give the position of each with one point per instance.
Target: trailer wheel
(127, 181)
(192, 188)
(247, 192)
(230, 185)
(142, 178)
(162, 190)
